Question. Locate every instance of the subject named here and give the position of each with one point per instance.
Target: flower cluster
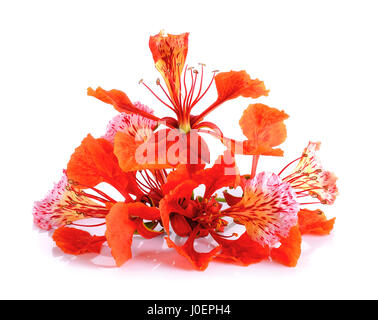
(158, 163)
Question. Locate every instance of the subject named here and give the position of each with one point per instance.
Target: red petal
(231, 85)
(140, 155)
(94, 162)
(140, 210)
(182, 173)
(76, 242)
(119, 232)
(199, 260)
(223, 173)
(119, 100)
(242, 251)
(290, 250)
(180, 225)
(314, 222)
(230, 199)
(170, 203)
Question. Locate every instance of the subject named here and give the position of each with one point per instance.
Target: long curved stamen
(200, 87)
(157, 97)
(185, 88)
(288, 165)
(192, 89)
(150, 182)
(187, 94)
(207, 89)
(166, 94)
(88, 225)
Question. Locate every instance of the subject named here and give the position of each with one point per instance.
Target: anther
(215, 71)
(158, 81)
(140, 81)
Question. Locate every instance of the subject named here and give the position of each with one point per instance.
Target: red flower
(169, 53)
(158, 171)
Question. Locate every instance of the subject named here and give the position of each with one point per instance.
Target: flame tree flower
(160, 193)
(185, 88)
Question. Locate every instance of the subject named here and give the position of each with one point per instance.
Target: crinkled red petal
(76, 242)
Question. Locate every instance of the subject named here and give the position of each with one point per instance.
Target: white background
(318, 58)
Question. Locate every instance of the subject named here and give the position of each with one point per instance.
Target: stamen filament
(166, 94)
(202, 115)
(88, 225)
(290, 163)
(200, 88)
(157, 97)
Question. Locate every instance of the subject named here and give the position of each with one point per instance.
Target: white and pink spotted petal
(63, 205)
(135, 125)
(268, 208)
(44, 209)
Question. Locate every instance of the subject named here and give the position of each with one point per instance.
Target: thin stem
(254, 165)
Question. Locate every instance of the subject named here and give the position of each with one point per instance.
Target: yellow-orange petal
(169, 54)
